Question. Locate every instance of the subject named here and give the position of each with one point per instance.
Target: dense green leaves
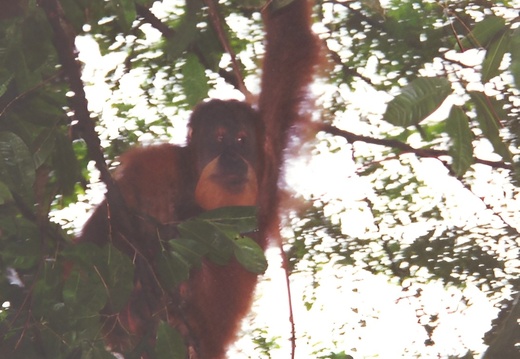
(170, 344)
(173, 269)
(417, 101)
(17, 169)
(219, 234)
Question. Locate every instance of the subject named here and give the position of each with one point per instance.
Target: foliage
(452, 70)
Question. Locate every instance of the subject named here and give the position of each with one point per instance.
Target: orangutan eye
(241, 138)
(220, 135)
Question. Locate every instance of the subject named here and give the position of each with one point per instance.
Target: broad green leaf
(218, 243)
(209, 41)
(461, 149)
(5, 194)
(230, 213)
(250, 255)
(194, 81)
(65, 164)
(44, 145)
(126, 13)
(172, 269)
(25, 344)
(242, 218)
(51, 343)
(483, 32)
(190, 250)
(186, 31)
(84, 292)
(185, 34)
(120, 277)
(494, 55)
(170, 344)
(218, 229)
(419, 99)
(514, 48)
(488, 118)
(90, 277)
(16, 164)
(46, 293)
(4, 84)
(22, 252)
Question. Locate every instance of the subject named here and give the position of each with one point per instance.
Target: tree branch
(150, 18)
(347, 71)
(403, 147)
(224, 41)
(64, 43)
(234, 78)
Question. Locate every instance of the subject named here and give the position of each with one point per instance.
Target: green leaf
(185, 34)
(483, 32)
(514, 48)
(126, 13)
(46, 294)
(220, 246)
(461, 149)
(242, 218)
(5, 194)
(212, 54)
(65, 164)
(419, 99)
(172, 269)
(170, 344)
(4, 84)
(488, 118)
(120, 277)
(494, 55)
(87, 288)
(250, 255)
(51, 343)
(16, 165)
(22, 252)
(190, 250)
(194, 81)
(43, 146)
(84, 292)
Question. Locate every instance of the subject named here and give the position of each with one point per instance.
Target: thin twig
(217, 25)
(285, 266)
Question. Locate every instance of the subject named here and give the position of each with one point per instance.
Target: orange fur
(211, 194)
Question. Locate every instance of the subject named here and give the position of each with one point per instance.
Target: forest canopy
(406, 180)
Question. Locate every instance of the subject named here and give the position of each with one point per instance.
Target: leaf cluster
(219, 235)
